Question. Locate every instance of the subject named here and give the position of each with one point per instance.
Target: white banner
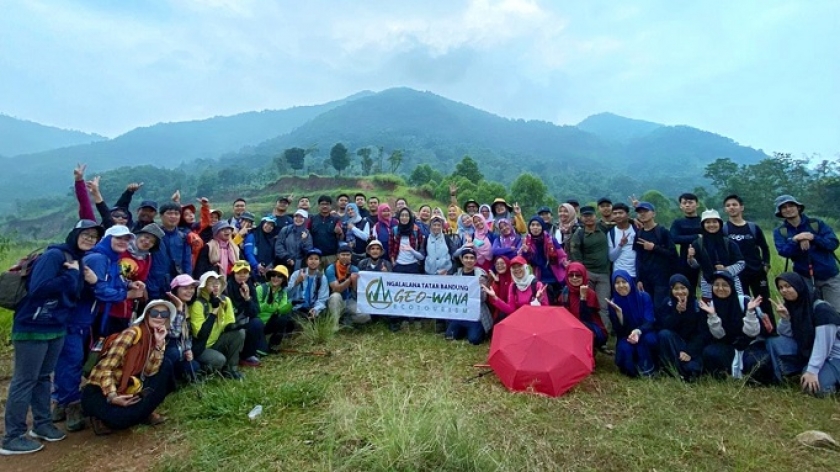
(422, 296)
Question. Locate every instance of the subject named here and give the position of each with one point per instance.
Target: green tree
(530, 192)
(489, 191)
(339, 158)
(395, 160)
(468, 169)
(423, 174)
(366, 161)
(294, 156)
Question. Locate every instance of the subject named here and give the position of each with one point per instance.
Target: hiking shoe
(20, 445)
(99, 428)
(252, 361)
(155, 419)
(48, 432)
(233, 375)
(75, 418)
(59, 413)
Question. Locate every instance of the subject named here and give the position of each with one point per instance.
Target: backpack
(750, 225)
(102, 346)
(14, 283)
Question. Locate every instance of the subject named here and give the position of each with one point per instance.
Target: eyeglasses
(575, 275)
(89, 237)
(158, 313)
(119, 215)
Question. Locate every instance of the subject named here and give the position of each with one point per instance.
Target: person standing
(589, 247)
(753, 245)
(655, 255)
(326, 231)
(620, 240)
(810, 243)
(683, 232)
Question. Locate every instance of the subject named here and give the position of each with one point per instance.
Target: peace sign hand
(781, 309)
(707, 307)
(516, 208)
(681, 303)
(754, 303)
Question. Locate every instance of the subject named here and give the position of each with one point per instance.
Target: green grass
(401, 401)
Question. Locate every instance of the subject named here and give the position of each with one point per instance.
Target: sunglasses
(158, 313)
(119, 215)
(575, 275)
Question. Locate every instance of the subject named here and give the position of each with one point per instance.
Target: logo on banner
(377, 295)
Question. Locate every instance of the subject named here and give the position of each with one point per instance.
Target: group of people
(168, 293)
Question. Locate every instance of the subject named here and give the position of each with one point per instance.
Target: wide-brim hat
(782, 199)
(502, 201)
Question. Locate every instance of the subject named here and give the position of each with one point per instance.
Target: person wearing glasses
(131, 379)
(38, 331)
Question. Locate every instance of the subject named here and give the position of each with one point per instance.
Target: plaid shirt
(108, 370)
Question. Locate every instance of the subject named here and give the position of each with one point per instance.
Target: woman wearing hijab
(484, 210)
(713, 251)
(483, 242)
(356, 232)
(406, 244)
(524, 290)
(808, 337)
(466, 229)
(55, 287)
(131, 378)
(582, 302)
(632, 317)
(453, 220)
(508, 242)
(438, 249)
(733, 322)
(258, 248)
(502, 278)
(546, 257)
(684, 331)
(567, 225)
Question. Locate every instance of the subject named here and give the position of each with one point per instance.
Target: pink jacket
(517, 298)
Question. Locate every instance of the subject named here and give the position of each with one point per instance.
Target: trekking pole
(480, 374)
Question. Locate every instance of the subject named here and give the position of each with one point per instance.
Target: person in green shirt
(275, 305)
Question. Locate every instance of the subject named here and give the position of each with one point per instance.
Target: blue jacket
(52, 289)
(109, 288)
(821, 253)
(173, 254)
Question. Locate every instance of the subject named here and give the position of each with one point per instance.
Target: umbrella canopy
(543, 349)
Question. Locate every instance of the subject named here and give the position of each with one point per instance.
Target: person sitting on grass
(131, 377)
(342, 277)
(733, 323)
(179, 343)
(246, 312)
(275, 306)
(525, 290)
(475, 331)
(582, 302)
(308, 287)
(217, 339)
(808, 337)
(684, 331)
(631, 313)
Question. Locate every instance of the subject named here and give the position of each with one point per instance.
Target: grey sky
(764, 73)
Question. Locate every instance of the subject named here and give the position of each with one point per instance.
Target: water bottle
(257, 411)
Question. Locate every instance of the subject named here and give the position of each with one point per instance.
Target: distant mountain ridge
(19, 136)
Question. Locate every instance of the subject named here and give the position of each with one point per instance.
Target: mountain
(164, 145)
(616, 128)
(25, 137)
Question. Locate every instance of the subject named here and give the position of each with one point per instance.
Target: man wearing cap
(342, 277)
(620, 240)
(308, 287)
(655, 255)
(280, 214)
(471, 207)
(293, 242)
(326, 232)
(513, 213)
(220, 253)
(239, 207)
(683, 232)
(575, 204)
(810, 244)
(605, 207)
(375, 262)
(589, 247)
(753, 245)
(174, 256)
(544, 212)
(146, 214)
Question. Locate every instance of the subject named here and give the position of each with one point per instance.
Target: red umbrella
(543, 349)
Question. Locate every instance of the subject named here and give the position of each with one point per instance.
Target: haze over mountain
(23, 137)
(584, 159)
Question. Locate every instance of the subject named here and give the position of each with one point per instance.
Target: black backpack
(14, 283)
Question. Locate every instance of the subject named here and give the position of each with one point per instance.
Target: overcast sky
(764, 73)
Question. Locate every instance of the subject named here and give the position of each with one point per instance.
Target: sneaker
(20, 445)
(48, 432)
(252, 361)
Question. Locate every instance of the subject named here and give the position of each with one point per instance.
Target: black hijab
(729, 309)
(408, 228)
(806, 312)
(714, 249)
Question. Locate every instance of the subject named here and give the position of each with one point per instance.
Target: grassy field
(385, 401)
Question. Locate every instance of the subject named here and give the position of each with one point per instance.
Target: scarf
(488, 221)
(223, 253)
(632, 306)
(408, 228)
(511, 239)
(573, 221)
(341, 271)
(356, 219)
(136, 252)
(136, 356)
(464, 230)
(523, 283)
(454, 224)
(574, 292)
(729, 309)
(484, 252)
(805, 313)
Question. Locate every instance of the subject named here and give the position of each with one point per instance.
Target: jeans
(68, 370)
(473, 330)
(30, 386)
